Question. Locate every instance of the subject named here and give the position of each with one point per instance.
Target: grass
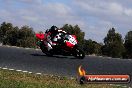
(13, 79)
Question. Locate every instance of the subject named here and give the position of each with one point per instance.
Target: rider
(54, 35)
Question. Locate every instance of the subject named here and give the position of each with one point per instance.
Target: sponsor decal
(85, 78)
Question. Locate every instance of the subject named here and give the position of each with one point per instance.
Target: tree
(5, 27)
(88, 46)
(113, 44)
(128, 45)
(97, 48)
(92, 47)
(26, 37)
(12, 36)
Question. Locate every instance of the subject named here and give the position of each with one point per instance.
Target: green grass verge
(13, 79)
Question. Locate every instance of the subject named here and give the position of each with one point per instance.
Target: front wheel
(44, 50)
(78, 53)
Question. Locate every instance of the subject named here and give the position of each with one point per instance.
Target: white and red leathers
(53, 40)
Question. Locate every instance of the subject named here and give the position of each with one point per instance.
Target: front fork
(43, 44)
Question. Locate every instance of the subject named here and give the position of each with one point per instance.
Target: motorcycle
(67, 45)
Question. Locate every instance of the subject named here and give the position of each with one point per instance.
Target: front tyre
(44, 50)
(78, 53)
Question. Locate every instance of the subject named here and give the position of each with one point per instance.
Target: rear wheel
(78, 53)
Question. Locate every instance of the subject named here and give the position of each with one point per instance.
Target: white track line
(38, 73)
(25, 71)
(29, 72)
(4, 68)
(18, 70)
(11, 69)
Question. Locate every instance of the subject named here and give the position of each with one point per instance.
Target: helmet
(53, 28)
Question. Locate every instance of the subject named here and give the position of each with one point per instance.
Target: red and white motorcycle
(67, 45)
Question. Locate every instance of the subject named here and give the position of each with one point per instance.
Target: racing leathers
(53, 36)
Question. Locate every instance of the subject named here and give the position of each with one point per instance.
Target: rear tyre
(79, 53)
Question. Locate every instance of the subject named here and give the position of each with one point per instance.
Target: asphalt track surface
(37, 62)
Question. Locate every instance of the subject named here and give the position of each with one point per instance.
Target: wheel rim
(79, 54)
